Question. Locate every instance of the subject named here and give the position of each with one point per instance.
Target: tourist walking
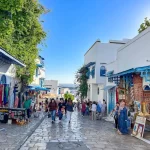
(116, 109)
(98, 109)
(103, 108)
(122, 119)
(46, 105)
(65, 103)
(69, 108)
(78, 105)
(52, 108)
(87, 111)
(61, 109)
(94, 111)
(41, 109)
(27, 106)
(75, 106)
(83, 108)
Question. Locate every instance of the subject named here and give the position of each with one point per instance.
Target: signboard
(139, 127)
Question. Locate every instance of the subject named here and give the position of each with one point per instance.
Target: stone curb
(25, 138)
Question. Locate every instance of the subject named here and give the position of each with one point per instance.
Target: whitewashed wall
(101, 53)
(101, 93)
(110, 67)
(53, 84)
(8, 69)
(135, 53)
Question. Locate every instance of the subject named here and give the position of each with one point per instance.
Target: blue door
(111, 104)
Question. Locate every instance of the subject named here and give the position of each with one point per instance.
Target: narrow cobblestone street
(81, 134)
(12, 136)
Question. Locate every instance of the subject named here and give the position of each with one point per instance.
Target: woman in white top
(103, 108)
(94, 111)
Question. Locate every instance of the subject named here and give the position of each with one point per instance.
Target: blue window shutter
(103, 71)
(93, 72)
(88, 73)
(37, 72)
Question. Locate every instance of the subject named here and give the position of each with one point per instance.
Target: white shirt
(93, 107)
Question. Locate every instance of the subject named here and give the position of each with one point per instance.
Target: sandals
(119, 132)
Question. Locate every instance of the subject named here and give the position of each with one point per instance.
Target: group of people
(121, 117)
(61, 108)
(94, 109)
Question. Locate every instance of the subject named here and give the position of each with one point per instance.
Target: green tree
(81, 78)
(68, 96)
(144, 25)
(21, 32)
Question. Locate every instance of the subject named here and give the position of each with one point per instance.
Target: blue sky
(73, 26)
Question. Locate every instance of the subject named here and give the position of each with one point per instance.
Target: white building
(64, 90)
(39, 76)
(52, 85)
(133, 57)
(96, 59)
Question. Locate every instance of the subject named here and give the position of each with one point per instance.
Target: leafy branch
(81, 78)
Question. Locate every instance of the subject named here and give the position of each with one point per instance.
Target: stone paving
(81, 134)
(13, 135)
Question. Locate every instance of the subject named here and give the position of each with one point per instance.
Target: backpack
(98, 108)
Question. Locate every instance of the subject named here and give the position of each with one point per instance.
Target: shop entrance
(111, 105)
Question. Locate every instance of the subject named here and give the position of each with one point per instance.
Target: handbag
(49, 114)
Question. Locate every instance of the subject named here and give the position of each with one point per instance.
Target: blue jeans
(60, 114)
(83, 113)
(87, 112)
(53, 113)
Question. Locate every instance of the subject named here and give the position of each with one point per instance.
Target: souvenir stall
(9, 111)
(133, 87)
(36, 93)
(8, 89)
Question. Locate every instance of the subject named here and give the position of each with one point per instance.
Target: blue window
(93, 72)
(37, 72)
(88, 73)
(103, 71)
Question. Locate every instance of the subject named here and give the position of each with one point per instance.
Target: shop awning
(37, 88)
(90, 64)
(39, 65)
(42, 89)
(109, 73)
(108, 87)
(139, 69)
(7, 58)
(133, 70)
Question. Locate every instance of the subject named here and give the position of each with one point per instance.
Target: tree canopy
(68, 96)
(144, 25)
(81, 78)
(21, 32)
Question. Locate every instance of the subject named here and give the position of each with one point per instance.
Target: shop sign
(139, 127)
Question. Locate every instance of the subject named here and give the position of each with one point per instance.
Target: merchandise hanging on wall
(1, 95)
